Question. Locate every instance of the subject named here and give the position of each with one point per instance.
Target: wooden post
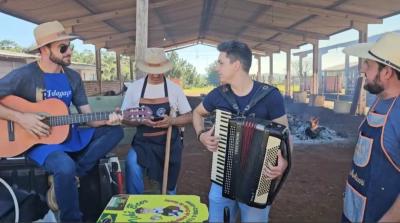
(98, 67)
(271, 69)
(301, 77)
(118, 62)
(346, 75)
(362, 102)
(359, 99)
(288, 82)
(314, 86)
(259, 68)
(142, 10)
(131, 67)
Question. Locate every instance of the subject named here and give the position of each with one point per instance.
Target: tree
(108, 66)
(125, 67)
(212, 74)
(307, 68)
(11, 46)
(86, 56)
(184, 71)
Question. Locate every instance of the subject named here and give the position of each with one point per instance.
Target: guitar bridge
(11, 132)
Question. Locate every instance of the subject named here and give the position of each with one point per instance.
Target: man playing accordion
(234, 63)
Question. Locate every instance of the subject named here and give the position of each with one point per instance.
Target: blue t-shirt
(270, 107)
(391, 135)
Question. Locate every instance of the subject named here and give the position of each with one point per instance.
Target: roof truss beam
(206, 14)
(162, 19)
(320, 11)
(257, 14)
(256, 39)
(99, 17)
(113, 14)
(110, 37)
(214, 40)
(304, 34)
(115, 44)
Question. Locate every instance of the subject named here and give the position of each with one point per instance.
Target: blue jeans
(134, 175)
(65, 168)
(217, 203)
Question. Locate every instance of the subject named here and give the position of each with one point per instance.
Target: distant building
(335, 79)
(347, 81)
(10, 60)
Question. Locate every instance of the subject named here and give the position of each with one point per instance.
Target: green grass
(197, 91)
(281, 88)
(205, 90)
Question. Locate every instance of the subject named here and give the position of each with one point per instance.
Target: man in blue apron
(163, 97)
(373, 185)
(51, 78)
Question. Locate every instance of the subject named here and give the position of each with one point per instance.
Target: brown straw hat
(385, 50)
(155, 62)
(49, 32)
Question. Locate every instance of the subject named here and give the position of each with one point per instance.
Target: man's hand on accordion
(273, 172)
(208, 140)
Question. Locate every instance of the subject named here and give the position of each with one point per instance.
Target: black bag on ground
(29, 184)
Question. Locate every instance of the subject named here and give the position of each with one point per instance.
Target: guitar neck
(77, 118)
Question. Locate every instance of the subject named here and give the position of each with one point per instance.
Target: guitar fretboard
(77, 118)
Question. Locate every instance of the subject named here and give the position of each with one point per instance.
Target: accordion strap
(261, 92)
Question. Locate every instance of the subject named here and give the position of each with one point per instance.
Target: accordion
(245, 146)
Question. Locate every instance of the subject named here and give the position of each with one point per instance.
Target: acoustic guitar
(15, 140)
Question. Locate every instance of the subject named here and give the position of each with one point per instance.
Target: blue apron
(57, 86)
(374, 180)
(149, 143)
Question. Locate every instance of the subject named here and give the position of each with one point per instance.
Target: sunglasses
(64, 48)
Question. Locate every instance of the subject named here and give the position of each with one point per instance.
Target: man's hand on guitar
(273, 172)
(209, 140)
(115, 118)
(33, 124)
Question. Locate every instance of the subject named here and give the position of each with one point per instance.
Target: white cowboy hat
(49, 32)
(155, 62)
(386, 50)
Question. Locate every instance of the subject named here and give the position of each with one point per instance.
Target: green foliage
(86, 56)
(11, 46)
(125, 68)
(185, 71)
(212, 74)
(108, 66)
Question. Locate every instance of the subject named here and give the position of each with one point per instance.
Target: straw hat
(49, 32)
(386, 50)
(155, 62)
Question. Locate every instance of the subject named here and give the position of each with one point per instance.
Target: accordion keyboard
(218, 160)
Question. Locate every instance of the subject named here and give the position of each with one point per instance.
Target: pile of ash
(309, 131)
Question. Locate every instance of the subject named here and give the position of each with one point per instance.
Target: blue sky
(201, 56)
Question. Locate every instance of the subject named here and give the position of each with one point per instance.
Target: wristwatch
(201, 132)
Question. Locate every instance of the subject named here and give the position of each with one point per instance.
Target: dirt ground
(314, 189)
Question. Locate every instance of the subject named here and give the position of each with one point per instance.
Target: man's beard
(374, 87)
(58, 60)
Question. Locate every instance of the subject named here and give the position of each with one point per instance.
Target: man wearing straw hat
(372, 191)
(148, 146)
(50, 77)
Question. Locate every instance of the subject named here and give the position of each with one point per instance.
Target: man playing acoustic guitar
(50, 78)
